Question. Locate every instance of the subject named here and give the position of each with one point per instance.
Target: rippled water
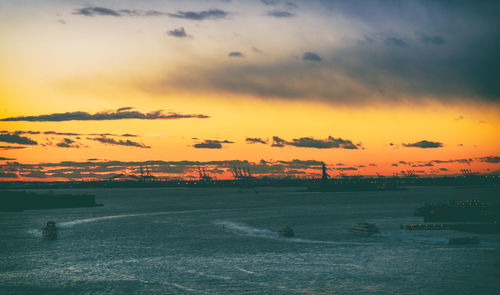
(207, 241)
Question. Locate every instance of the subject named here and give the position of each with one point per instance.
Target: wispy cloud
(106, 115)
(394, 41)
(211, 144)
(310, 142)
(255, 140)
(200, 15)
(92, 11)
(490, 159)
(6, 159)
(9, 147)
(424, 144)
(280, 13)
(432, 39)
(111, 141)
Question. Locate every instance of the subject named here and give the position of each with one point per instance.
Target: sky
(91, 89)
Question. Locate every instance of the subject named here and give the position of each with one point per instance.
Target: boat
(286, 232)
(474, 240)
(50, 230)
(453, 211)
(364, 228)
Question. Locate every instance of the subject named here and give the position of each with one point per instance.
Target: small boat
(474, 240)
(286, 232)
(364, 228)
(50, 230)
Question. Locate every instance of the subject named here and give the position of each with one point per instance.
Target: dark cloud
(463, 161)
(255, 140)
(103, 11)
(443, 169)
(393, 41)
(432, 39)
(68, 143)
(129, 135)
(278, 142)
(302, 164)
(6, 159)
(15, 138)
(62, 133)
(124, 109)
(40, 132)
(465, 67)
(112, 141)
(280, 13)
(490, 159)
(211, 144)
(309, 142)
(235, 54)
(270, 2)
(107, 115)
(201, 15)
(8, 147)
(311, 56)
(94, 11)
(424, 144)
(179, 33)
(423, 165)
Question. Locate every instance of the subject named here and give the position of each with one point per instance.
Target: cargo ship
(465, 211)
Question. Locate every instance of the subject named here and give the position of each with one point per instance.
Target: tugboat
(474, 240)
(286, 232)
(364, 228)
(50, 231)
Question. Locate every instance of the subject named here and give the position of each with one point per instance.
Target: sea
(225, 241)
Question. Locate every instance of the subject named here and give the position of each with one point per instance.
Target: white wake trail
(239, 228)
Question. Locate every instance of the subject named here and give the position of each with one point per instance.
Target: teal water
(224, 241)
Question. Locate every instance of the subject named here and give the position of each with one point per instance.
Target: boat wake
(69, 224)
(243, 229)
(392, 236)
(101, 218)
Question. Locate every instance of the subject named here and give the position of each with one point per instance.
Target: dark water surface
(223, 241)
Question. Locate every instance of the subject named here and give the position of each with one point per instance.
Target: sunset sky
(90, 89)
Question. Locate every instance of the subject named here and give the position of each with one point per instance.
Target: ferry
(474, 240)
(286, 232)
(364, 228)
(50, 230)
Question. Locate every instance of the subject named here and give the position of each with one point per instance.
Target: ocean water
(224, 241)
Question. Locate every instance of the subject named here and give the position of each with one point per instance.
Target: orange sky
(306, 78)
